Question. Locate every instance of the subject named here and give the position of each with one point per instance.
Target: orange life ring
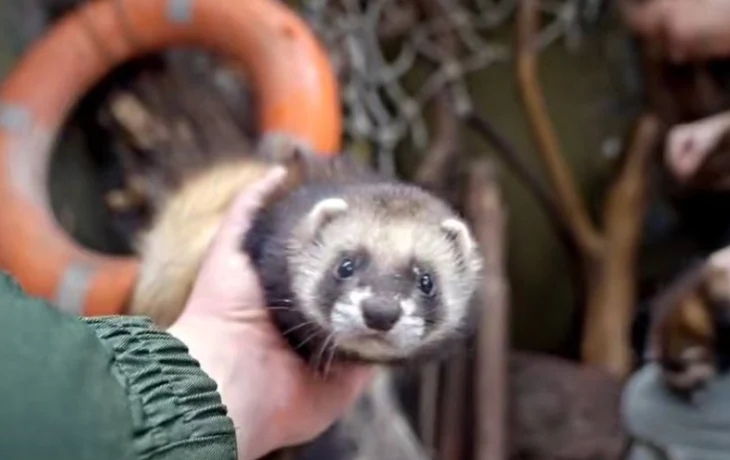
(289, 70)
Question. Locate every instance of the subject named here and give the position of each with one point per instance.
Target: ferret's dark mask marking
(428, 306)
(401, 282)
(332, 285)
(360, 259)
(271, 264)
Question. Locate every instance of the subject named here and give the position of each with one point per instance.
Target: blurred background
(584, 139)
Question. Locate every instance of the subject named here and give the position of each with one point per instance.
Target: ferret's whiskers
(280, 307)
(331, 358)
(298, 326)
(320, 354)
(307, 339)
(281, 301)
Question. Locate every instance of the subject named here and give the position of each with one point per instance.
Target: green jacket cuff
(176, 409)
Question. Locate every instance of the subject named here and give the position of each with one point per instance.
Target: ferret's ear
(458, 231)
(323, 213)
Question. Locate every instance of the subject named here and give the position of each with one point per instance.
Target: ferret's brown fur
(688, 319)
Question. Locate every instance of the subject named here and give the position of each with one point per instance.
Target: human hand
(273, 398)
(681, 30)
(688, 145)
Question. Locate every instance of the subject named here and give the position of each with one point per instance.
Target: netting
(374, 45)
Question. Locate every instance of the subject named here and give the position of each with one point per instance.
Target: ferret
(352, 264)
(691, 319)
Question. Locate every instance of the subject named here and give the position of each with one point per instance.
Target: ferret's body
(172, 250)
(350, 262)
(690, 337)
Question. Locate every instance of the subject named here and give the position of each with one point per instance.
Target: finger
(350, 379)
(344, 388)
(243, 210)
(358, 377)
(226, 274)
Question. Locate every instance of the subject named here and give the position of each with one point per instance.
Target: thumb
(226, 274)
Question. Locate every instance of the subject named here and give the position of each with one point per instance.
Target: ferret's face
(383, 286)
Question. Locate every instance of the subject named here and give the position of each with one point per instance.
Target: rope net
(376, 46)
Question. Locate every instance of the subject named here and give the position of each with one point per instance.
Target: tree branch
(484, 208)
(612, 289)
(572, 209)
(509, 155)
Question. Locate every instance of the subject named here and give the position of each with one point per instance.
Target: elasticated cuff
(176, 409)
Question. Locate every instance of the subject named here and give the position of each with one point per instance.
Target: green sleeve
(101, 388)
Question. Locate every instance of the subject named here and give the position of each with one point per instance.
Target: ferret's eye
(346, 268)
(425, 284)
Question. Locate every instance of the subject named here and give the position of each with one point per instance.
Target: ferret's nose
(380, 314)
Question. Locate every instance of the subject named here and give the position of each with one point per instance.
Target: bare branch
(509, 155)
(612, 289)
(484, 208)
(587, 237)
